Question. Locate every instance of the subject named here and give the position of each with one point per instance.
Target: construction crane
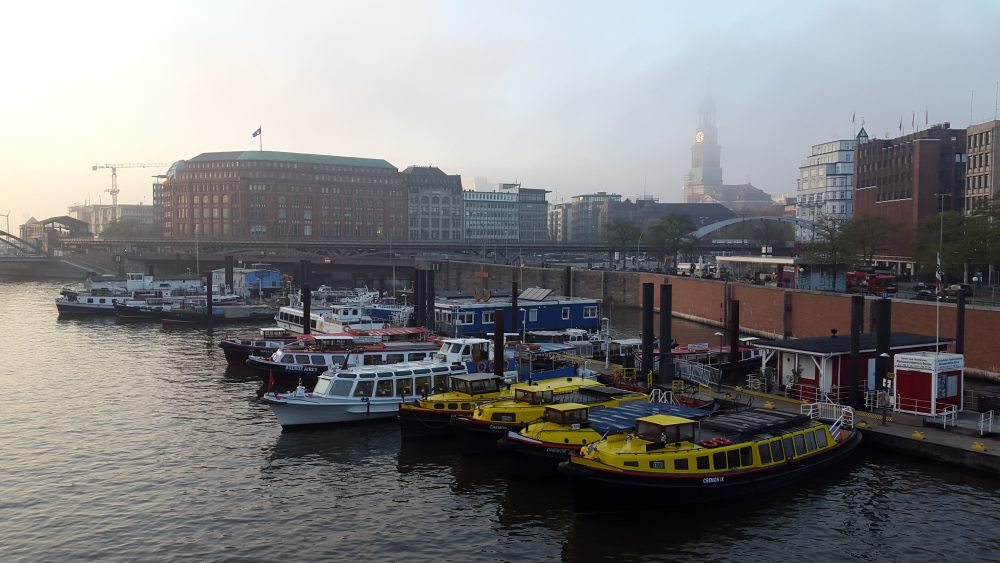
(114, 191)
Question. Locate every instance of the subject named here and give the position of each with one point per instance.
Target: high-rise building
(587, 217)
(490, 216)
(559, 222)
(101, 216)
(270, 195)
(905, 179)
(703, 183)
(825, 184)
(532, 215)
(983, 165)
(435, 210)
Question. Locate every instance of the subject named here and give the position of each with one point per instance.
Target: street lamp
(638, 242)
(722, 337)
(524, 325)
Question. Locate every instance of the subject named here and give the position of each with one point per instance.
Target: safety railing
(949, 413)
(839, 415)
(986, 422)
(697, 372)
(666, 396)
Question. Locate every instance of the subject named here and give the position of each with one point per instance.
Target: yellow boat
(671, 460)
(479, 431)
(536, 450)
(431, 415)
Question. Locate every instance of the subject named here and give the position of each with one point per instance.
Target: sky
(574, 97)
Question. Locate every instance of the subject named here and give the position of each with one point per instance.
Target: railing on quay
(986, 423)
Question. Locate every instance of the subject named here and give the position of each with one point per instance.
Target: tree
(871, 235)
(672, 234)
(621, 235)
(831, 246)
(946, 234)
(130, 228)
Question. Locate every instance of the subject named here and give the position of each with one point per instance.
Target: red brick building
(898, 179)
(279, 196)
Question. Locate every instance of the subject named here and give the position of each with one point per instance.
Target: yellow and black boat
(431, 415)
(671, 460)
(479, 431)
(536, 450)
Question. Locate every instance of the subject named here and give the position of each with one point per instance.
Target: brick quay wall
(769, 312)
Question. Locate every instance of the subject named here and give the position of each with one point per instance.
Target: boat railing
(839, 415)
(986, 422)
(948, 414)
(697, 372)
(665, 396)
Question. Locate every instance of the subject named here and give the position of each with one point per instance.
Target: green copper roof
(276, 156)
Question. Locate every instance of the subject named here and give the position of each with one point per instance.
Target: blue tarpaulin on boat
(622, 418)
(549, 348)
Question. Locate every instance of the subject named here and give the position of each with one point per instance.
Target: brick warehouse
(278, 196)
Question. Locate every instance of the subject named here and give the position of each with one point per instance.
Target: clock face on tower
(699, 137)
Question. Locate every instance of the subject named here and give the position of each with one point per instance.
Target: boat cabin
(533, 396)
(662, 429)
(573, 415)
(411, 379)
(476, 383)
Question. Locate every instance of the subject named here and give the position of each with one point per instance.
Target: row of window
(768, 452)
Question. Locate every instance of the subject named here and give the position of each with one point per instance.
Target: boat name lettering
(497, 427)
(707, 480)
(293, 367)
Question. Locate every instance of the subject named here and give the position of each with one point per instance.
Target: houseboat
(328, 319)
(360, 393)
(537, 449)
(537, 310)
(674, 461)
(238, 347)
(100, 295)
(478, 433)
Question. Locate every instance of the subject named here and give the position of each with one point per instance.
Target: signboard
(698, 346)
(926, 362)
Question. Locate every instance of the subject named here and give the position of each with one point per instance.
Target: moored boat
(673, 461)
(478, 432)
(360, 393)
(237, 348)
(536, 450)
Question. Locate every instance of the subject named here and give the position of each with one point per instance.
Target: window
(702, 462)
(733, 457)
(776, 452)
(765, 453)
(383, 388)
(800, 444)
(719, 460)
(565, 313)
(488, 318)
(423, 385)
(464, 318)
(746, 456)
(364, 389)
(821, 438)
(810, 441)
(404, 387)
(590, 312)
(681, 464)
(532, 315)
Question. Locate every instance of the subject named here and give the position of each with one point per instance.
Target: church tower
(705, 176)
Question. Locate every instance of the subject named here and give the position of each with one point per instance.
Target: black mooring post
(498, 343)
(418, 296)
(229, 272)
(883, 334)
(513, 306)
(429, 305)
(960, 324)
(647, 331)
(857, 327)
(666, 374)
(208, 296)
(734, 339)
(306, 309)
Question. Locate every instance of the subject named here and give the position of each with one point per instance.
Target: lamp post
(606, 327)
(884, 393)
(524, 324)
(639, 242)
(940, 286)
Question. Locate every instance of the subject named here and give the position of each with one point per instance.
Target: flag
(257, 132)
(926, 117)
(938, 275)
(901, 124)
(853, 115)
(913, 120)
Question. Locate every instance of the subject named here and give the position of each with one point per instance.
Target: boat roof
(464, 340)
(565, 407)
(839, 345)
(628, 341)
(622, 418)
(754, 421)
(664, 420)
(547, 348)
(395, 331)
(475, 376)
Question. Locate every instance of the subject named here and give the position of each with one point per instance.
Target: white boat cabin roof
(404, 369)
(465, 341)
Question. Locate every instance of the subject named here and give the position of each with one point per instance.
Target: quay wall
(934, 451)
(768, 312)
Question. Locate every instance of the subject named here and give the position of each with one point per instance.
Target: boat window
(789, 449)
(337, 360)
(438, 406)
(288, 359)
(681, 464)
(440, 383)
(423, 385)
(347, 375)
(404, 386)
(821, 438)
(440, 369)
(776, 453)
(90, 300)
(702, 462)
(810, 441)
(372, 360)
(417, 356)
(393, 358)
(318, 359)
(404, 373)
(302, 358)
(502, 417)
(383, 388)
(453, 406)
(259, 343)
(367, 375)
(800, 444)
(733, 457)
(384, 374)
(341, 388)
(719, 460)
(656, 464)
(101, 300)
(421, 371)
(765, 452)
(746, 456)
(322, 386)
(364, 388)
(466, 406)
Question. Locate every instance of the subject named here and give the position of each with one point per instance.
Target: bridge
(14, 247)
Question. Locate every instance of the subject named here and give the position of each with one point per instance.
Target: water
(128, 442)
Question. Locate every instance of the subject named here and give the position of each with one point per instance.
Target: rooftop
(301, 158)
(836, 345)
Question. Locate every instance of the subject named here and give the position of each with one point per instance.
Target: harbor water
(131, 442)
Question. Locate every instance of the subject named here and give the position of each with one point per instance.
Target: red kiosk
(928, 384)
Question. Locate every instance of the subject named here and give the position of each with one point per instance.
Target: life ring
(724, 441)
(481, 367)
(489, 366)
(706, 443)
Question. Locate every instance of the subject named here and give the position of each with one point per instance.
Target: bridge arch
(709, 229)
(18, 245)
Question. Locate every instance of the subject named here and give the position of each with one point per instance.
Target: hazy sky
(573, 96)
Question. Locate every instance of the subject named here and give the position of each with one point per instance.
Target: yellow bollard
(768, 405)
(739, 389)
(862, 425)
(918, 435)
(978, 447)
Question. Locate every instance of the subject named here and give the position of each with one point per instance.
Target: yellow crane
(114, 191)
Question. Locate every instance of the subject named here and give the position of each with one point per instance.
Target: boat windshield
(322, 385)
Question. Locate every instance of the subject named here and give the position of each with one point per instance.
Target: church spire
(706, 111)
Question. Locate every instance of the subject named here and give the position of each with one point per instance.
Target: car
(956, 289)
(924, 295)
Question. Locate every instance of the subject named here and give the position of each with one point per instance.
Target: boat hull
(298, 413)
(237, 354)
(421, 424)
(476, 437)
(532, 461)
(607, 491)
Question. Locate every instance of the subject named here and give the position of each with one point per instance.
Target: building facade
(100, 216)
(899, 180)
(825, 184)
(643, 211)
(491, 216)
(587, 216)
(282, 196)
(436, 204)
(532, 215)
(983, 168)
(559, 214)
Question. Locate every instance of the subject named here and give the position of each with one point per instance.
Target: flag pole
(261, 139)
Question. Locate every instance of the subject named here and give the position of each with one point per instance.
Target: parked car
(956, 289)
(924, 294)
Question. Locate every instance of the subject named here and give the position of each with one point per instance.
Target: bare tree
(831, 247)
